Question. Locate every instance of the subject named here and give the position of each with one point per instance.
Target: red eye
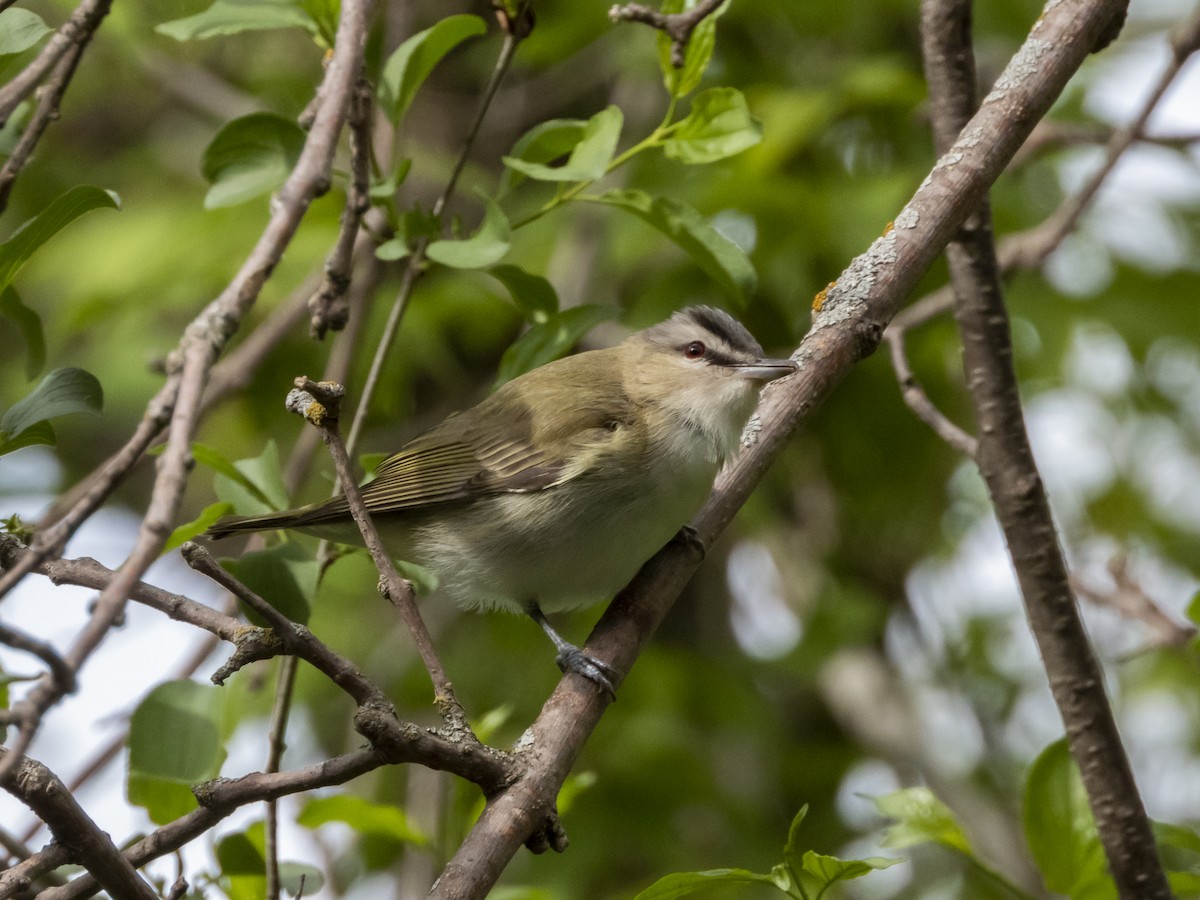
(694, 350)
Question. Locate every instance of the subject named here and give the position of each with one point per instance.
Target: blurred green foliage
(859, 554)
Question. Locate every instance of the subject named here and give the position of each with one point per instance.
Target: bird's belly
(561, 549)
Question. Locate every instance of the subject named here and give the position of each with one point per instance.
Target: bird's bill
(767, 369)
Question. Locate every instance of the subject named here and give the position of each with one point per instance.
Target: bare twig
(320, 404)
(677, 26)
(41, 790)
(1006, 463)
(1129, 599)
(919, 402)
(848, 325)
(78, 29)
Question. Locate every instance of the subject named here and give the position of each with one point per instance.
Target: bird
(552, 492)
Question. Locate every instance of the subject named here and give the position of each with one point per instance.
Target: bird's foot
(688, 538)
(571, 659)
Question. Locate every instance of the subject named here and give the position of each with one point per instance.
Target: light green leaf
(718, 256)
(63, 210)
(38, 433)
(682, 884)
(379, 819)
(1059, 827)
(921, 818)
(222, 465)
(284, 575)
(410, 63)
(543, 143)
(681, 82)
(718, 125)
(235, 16)
(60, 393)
(792, 855)
(20, 29)
(532, 294)
(486, 246)
(174, 742)
(29, 323)
(250, 156)
(550, 340)
(198, 525)
(822, 871)
(589, 158)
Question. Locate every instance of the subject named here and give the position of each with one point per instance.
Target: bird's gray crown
(712, 326)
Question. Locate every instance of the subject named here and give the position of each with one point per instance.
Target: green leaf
(20, 29)
(823, 871)
(284, 575)
(235, 16)
(60, 393)
(486, 246)
(532, 294)
(410, 64)
(572, 788)
(719, 125)
(29, 323)
(921, 818)
(791, 848)
(718, 256)
(681, 82)
(63, 210)
(38, 433)
(550, 339)
(1179, 848)
(681, 884)
(589, 157)
(174, 742)
(1059, 827)
(543, 143)
(380, 819)
(253, 485)
(250, 156)
(198, 525)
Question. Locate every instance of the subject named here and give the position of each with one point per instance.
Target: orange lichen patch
(887, 229)
(819, 300)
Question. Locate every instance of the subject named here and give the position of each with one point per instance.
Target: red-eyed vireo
(552, 492)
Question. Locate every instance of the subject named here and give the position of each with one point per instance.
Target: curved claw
(571, 659)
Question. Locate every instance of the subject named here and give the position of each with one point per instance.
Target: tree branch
(847, 326)
(677, 26)
(1006, 463)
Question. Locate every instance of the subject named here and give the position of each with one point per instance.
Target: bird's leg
(570, 658)
(688, 538)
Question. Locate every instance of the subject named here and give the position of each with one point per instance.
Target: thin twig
(918, 401)
(320, 404)
(1129, 599)
(276, 742)
(78, 28)
(677, 26)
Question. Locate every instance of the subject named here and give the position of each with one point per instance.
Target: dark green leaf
(174, 742)
(532, 294)
(29, 323)
(589, 158)
(250, 156)
(718, 256)
(411, 62)
(285, 576)
(681, 82)
(543, 143)
(551, 339)
(380, 819)
(38, 433)
(198, 525)
(235, 16)
(60, 393)
(20, 29)
(682, 884)
(61, 212)
(719, 125)
(486, 246)
(1059, 826)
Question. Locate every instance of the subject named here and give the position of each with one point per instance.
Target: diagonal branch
(846, 327)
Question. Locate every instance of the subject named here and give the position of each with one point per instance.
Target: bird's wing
(493, 452)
